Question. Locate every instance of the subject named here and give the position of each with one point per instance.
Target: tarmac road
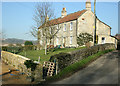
(102, 71)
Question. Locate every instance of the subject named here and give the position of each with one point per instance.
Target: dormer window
(71, 26)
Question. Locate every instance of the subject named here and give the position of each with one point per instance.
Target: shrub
(12, 49)
(62, 58)
(4, 48)
(84, 38)
(28, 43)
(30, 64)
(15, 49)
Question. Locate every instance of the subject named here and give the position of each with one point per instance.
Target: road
(102, 71)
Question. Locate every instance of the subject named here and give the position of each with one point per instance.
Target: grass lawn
(34, 54)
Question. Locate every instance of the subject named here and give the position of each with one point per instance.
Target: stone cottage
(80, 22)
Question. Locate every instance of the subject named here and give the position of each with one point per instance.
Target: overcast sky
(17, 17)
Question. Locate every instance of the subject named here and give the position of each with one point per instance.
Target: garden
(35, 54)
(32, 53)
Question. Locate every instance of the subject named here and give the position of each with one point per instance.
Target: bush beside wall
(12, 49)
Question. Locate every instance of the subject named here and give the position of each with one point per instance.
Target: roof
(104, 23)
(70, 17)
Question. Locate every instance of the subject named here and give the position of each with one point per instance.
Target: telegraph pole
(95, 22)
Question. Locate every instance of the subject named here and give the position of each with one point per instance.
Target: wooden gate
(48, 67)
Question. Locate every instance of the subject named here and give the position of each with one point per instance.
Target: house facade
(73, 24)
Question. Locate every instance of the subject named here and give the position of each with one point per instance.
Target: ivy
(84, 38)
(30, 64)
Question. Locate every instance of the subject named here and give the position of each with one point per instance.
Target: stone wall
(17, 62)
(66, 59)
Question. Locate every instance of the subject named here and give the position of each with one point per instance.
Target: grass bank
(34, 54)
(75, 67)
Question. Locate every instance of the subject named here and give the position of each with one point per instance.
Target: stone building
(80, 22)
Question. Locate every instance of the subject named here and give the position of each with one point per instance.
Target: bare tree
(44, 29)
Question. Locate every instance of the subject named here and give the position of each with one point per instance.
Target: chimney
(63, 12)
(88, 5)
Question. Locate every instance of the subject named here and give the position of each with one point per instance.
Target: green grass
(77, 66)
(34, 54)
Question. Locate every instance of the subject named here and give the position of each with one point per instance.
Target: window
(71, 26)
(70, 39)
(64, 27)
(103, 40)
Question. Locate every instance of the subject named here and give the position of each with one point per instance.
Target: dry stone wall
(66, 59)
(17, 62)
(14, 60)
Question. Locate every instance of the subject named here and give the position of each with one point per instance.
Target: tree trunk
(49, 44)
(46, 46)
(53, 41)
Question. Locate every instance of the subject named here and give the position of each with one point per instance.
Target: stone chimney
(63, 12)
(88, 5)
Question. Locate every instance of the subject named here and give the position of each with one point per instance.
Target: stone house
(80, 22)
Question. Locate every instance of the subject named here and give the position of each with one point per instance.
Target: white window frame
(103, 41)
(71, 25)
(71, 39)
(64, 27)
